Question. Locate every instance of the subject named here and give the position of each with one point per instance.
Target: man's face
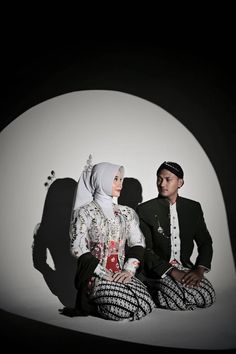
(168, 184)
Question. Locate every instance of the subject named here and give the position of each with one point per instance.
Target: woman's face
(117, 184)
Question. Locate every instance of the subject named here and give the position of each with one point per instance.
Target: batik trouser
(168, 293)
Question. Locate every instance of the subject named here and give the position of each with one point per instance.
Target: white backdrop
(59, 134)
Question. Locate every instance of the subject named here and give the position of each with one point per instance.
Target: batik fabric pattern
(105, 239)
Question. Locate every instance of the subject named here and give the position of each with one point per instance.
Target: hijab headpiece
(95, 183)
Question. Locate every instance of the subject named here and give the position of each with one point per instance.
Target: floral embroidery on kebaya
(96, 249)
(92, 232)
(113, 264)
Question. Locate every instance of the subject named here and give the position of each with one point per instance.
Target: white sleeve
(100, 271)
(79, 233)
(131, 265)
(135, 236)
(166, 272)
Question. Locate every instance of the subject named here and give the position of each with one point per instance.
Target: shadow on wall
(131, 193)
(52, 235)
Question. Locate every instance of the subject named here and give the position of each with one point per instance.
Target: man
(171, 224)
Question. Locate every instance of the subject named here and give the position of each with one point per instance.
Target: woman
(100, 231)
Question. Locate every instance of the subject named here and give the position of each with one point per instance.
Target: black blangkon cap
(172, 167)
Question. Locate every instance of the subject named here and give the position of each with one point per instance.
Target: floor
(204, 329)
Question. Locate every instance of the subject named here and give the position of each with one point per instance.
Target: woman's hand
(108, 276)
(123, 277)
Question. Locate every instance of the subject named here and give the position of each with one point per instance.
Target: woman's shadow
(52, 235)
(131, 193)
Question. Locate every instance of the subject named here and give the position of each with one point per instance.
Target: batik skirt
(119, 301)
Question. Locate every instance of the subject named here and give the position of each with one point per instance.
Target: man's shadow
(52, 235)
(131, 193)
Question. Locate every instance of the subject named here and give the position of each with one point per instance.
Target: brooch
(160, 229)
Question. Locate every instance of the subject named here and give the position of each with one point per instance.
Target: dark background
(194, 80)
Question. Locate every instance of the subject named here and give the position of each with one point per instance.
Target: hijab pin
(50, 179)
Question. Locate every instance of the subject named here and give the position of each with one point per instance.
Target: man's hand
(177, 274)
(193, 277)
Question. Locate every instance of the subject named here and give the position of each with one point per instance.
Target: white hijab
(95, 183)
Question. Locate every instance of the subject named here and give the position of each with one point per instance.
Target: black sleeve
(138, 253)
(85, 270)
(204, 241)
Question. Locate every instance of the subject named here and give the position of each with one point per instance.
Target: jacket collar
(165, 202)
